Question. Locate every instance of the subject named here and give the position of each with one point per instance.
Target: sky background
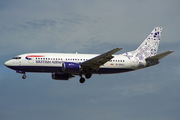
(89, 26)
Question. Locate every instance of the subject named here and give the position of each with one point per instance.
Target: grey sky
(94, 26)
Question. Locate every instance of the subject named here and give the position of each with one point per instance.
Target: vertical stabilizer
(148, 47)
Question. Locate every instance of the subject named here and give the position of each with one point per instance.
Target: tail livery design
(148, 48)
(65, 66)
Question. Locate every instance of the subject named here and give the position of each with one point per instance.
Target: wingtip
(119, 48)
(171, 51)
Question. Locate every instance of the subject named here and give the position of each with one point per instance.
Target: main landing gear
(88, 75)
(82, 80)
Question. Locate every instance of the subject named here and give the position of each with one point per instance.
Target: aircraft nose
(7, 63)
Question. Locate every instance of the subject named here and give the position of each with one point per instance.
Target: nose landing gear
(24, 76)
(22, 72)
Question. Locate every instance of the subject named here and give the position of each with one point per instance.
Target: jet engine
(61, 76)
(70, 67)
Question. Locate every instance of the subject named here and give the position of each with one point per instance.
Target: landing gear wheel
(88, 75)
(82, 80)
(24, 77)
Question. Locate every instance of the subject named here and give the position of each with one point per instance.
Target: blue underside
(59, 69)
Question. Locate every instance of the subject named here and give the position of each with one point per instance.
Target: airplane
(64, 66)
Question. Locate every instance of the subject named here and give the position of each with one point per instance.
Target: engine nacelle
(61, 76)
(70, 67)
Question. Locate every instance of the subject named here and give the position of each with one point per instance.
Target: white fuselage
(52, 62)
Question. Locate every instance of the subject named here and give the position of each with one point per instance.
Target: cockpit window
(16, 57)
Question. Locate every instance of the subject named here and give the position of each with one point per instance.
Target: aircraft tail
(147, 48)
(150, 45)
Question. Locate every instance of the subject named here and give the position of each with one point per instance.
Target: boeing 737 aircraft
(64, 66)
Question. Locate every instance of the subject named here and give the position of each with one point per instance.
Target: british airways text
(48, 62)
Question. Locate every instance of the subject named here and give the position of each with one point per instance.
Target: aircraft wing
(159, 56)
(99, 60)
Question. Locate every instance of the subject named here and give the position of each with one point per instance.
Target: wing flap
(99, 60)
(159, 56)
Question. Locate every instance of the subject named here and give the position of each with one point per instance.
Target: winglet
(159, 56)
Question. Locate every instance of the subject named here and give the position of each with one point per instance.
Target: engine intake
(61, 76)
(70, 67)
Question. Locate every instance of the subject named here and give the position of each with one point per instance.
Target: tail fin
(150, 45)
(147, 48)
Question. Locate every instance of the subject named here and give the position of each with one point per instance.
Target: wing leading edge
(99, 60)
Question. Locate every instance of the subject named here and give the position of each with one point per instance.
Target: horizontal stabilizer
(159, 56)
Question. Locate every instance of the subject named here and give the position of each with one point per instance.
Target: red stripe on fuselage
(35, 56)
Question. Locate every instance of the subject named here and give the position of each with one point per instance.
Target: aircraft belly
(112, 70)
(50, 69)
